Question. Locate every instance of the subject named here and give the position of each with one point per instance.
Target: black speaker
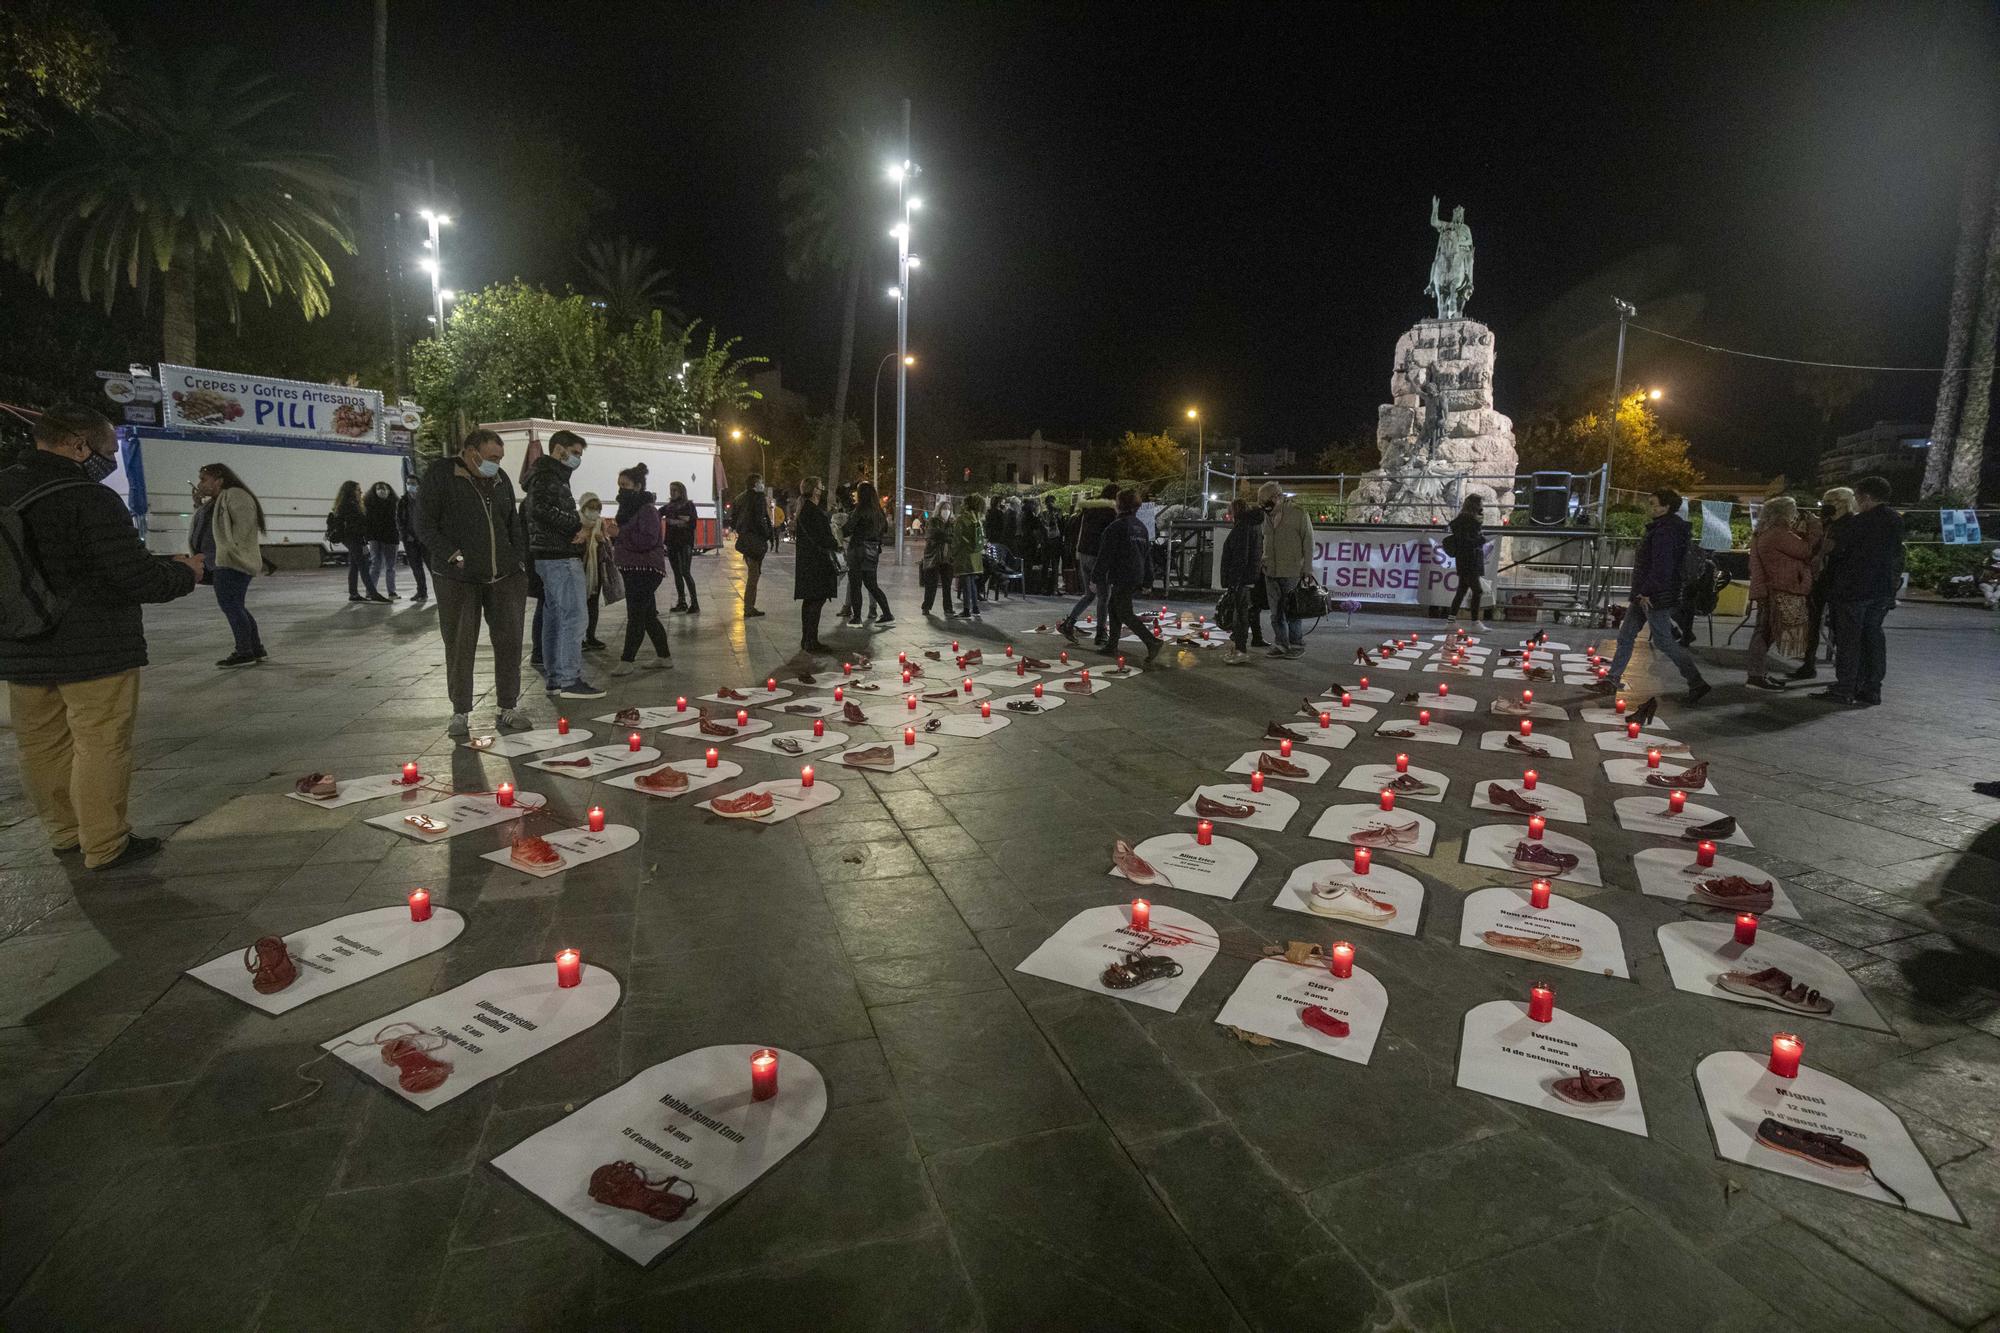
(1548, 503)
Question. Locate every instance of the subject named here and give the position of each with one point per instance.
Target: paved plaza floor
(1000, 1151)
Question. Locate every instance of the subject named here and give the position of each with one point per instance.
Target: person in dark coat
(816, 579)
(1468, 553)
(1657, 587)
(471, 527)
(1242, 566)
(751, 517)
(1093, 517)
(379, 512)
(556, 537)
(640, 551)
(73, 688)
(1864, 573)
(347, 527)
(1124, 566)
(413, 544)
(680, 517)
(867, 529)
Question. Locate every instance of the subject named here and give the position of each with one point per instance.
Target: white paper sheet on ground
(1340, 903)
(1351, 713)
(1314, 765)
(1332, 736)
(1384, 664)
(1329, 698)
(662, 715)
(1273, 994)
(1632, 773)
(1505, 1054)
(513, 744)
(692, 1117)
(699, 775)
(1450, 703)
(1557, 747)
(1009, 679)
(803, 738)
(824, 681)
(1539, 711)
(1616, 742)
(747, 696)
(1515, 673)
(1473, 639)
(821, 707)
(887, 713)
(1611, 717)
(692, 730)
(1217, 870)
(1437, 733)
(1475, 651)
(336, 954)
(1664, 872)
(1049, 701)
(877, 686)
(604, 760)
(459, 814)
(1339, 823)
(1559, 804)
(1697, 953)
(1097, 937)
(1374, 777)
(793, 798)
(355, 790)
(1077, 687)
(959, 696)
(1051, 665)
(1129, 671)
(1649, 814)
(967, 726)
(1494, 844)
(1739, 1091)
(901, 756)
(577, 846)
(489, 1025)
(1468, 670)
(1271, 808)
(1491, 914)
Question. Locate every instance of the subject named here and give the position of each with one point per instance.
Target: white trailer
(692, 460)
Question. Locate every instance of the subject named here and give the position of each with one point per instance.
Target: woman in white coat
(225, 533)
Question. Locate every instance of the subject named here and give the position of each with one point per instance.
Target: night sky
(1134, 208)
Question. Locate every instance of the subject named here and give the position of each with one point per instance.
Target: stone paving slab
(1003, 1152)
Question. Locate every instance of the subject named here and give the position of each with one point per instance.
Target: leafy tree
(1356, 452)
(1649, 455)
(50, 56)
(184, 180)
(1149, 457)
(627, 283)
(832, 198)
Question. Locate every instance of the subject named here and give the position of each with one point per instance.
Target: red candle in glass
(1121, 661)
(1746, 927)
(1402, 763)
(1010, 650)
(569, 969)
(1084, 675)
(1063, 656)
(1676, 802)
(596, 818)
(909, 735)
(420, 904)
(1423, 717)
(906, 678)
(710, 756)
(1527, 697)
(1256, 782)
(410, 774)
(1444, 689)
(1388, 799)
(504, 796)
(562, 726)
(1529, 779)
(903, 658)
(1535, 826)
(1363, 858)
(1325, 719)
(1346, 699)
(1538, 893)
(1786, 1051)
(1364, 682)
(819, 726)
(763, 1075)
(771, 684)
(1038, 689)
(1204, 833)
(910, 702)
(1142, 914)
(1704, 853)
(1343, 960)
(1021, 668)
(1619, 707)
(742, 717)
(839, 693)
(1527, 726)
(681, 704)
(967, 684)
(806, 776)
(954, 645)
(1652, 759)
(1603, 672)
(1285, 748)
(847, 668)
(1542, 1003)
(985, 710)
(632, 742)
(1631, 731)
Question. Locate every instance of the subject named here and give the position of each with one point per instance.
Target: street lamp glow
(429, 265)
(895, 293)
(1655, 394)
(448, 294)
(900, 230)
(894, 172)
(916, 262)
(916, 203)
(736, 433)
(1194, 414)
(909, 360)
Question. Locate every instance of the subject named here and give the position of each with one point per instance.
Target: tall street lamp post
(1200, 456)
(904, 174)
(434, 265)
(875, 432)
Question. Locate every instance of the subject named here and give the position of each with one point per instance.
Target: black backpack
(29, 608)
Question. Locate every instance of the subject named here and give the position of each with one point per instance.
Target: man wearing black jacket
(74, 689)
(1657, 588)
(1093, 516)
(555, 543)
(1125, 565)
(1863, 576)
(751, 517)
(468, 525)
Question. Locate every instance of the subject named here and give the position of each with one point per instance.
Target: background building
(1893, 449)
(1026, 462)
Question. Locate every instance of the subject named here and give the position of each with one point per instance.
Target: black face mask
(99, 466)
(1270, 506)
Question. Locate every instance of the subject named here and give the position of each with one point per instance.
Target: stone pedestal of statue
(1440, 438)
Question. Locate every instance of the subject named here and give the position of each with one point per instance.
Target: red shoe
(417, 1070)
(1278, 766)
(1136, 867)
(626, 717)
(662, 779)
(1736, 893)
(1319, 1020)
(709, 728)
(726, 693)
(273, 969)
(1379, 834)
(319, 786)
(1590, 1087)
(1509, 799)
(533, 853)
(750, 805)
(1209, 808)
(1690, 779)
(1520, 746)
(851, 712)
(1543, 859)
(624, 1185)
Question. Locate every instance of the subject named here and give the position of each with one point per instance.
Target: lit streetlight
(875, 435)
(1200, 452)
(903, 174)
(433, 264)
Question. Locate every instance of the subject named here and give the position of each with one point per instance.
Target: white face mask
(489, 467)
(759, 488)
(573, 461)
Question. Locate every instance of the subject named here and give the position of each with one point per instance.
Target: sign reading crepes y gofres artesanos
(258, 405)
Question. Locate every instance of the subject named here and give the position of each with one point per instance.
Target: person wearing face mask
(640, 552)
(751, 517)
(680, 517)
(596, 544)
(224, 534)
(556, 541)
(1287, 558)
(469, 525)
(73, 636)
(816, 569)
(379, 514)
(347, 527)
(413, 544)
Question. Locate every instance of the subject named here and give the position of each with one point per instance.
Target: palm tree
(1968, 453)
(183, 181)
(831, 197)
(1965, 283)
(623, 279)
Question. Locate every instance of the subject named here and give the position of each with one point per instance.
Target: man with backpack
(1660, 572)
(74, 574)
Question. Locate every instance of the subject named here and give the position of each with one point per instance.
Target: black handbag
(1306, 601)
